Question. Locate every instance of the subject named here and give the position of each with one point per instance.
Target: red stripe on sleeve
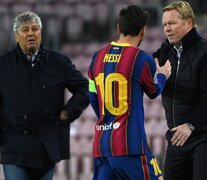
(147, 80)
(145, 167)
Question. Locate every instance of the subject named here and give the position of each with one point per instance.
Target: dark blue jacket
(31, 99)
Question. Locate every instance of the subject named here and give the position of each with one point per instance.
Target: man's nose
(30, 32)
(167, 27)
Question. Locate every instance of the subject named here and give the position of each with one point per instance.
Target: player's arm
(153, 77)
(93, 92)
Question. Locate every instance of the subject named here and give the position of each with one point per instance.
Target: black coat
(31, 99)
(185, 95)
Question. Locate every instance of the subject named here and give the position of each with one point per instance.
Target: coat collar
(188, 40)
(23, 56)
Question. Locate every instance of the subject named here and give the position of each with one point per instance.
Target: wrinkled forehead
(28, 23)
(171, 15)
(31, 24)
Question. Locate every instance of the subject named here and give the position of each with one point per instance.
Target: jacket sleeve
(77, 84)
(156, 54)
(152, 83)
(162, 54)
(198, 117)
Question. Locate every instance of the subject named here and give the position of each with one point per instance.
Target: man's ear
(143, 30)
(117, 28)
(16, 37)
(189, 22)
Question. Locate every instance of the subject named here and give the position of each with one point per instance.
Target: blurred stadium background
(78, 28)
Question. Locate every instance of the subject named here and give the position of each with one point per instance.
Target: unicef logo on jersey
(106, 127)
(116, 125)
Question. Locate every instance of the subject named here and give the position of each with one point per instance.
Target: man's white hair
(26, 17)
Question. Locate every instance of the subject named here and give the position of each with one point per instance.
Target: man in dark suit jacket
(35, 122)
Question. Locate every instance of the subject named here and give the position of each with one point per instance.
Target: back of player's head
(132, 19)
(25, 17)
(184, 8)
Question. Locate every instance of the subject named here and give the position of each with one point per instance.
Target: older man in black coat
(35, 122)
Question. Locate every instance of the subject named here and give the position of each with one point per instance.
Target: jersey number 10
(108, 93)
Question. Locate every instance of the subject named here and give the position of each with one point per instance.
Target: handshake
(165, 69)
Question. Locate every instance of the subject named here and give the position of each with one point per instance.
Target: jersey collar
(120, 44)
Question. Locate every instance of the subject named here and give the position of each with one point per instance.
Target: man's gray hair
(26, 17)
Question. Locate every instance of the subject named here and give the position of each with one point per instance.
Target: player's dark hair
(132, 19)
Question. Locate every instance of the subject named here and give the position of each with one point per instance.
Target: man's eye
(35, 29)
(24, 30)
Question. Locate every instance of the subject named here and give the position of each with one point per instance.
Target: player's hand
(165, 69)
(182, 133)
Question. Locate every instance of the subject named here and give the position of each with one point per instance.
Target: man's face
(175, 28)
(29, 37)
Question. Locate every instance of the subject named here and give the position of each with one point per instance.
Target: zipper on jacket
(179, 51)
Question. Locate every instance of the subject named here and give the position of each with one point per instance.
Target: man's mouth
(31, 41)
(170, 35)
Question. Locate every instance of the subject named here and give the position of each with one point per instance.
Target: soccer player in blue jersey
(119, 74)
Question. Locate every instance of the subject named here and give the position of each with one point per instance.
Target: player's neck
(133, 40)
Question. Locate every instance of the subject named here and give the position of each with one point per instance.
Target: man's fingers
(176, 137)
(157, 64)
(174, 129)
(181, 134)
(181, 140)
(156, 61)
